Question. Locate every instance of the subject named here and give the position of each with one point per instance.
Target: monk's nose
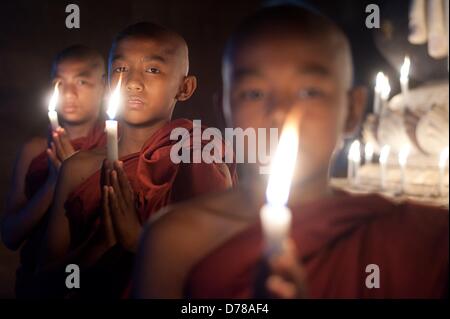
(68, 91)
(280, 107)
(134, 83)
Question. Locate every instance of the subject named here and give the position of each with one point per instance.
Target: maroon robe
(336, 239)
(157, 182)
(35, 178)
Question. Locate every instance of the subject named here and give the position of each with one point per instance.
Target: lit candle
(385, 91)
(111, 124)
(368, 153)
(52, 114)
(384, 156)
(404, 78)
(354, 160)
(377, 94)
(275, 215)
(443, 160)
(402, 159)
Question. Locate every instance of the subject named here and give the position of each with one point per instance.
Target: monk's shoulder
(33, 147)
(207, 221)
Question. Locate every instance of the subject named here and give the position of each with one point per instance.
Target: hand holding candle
(52, 114)
(275, 215)
(368, 153)
(111, 124)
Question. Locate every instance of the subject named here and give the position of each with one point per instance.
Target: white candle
(404, 78)
(354, 161)
(402, 160)
(111, 124)
(384, 156)
(443, 160)
(377, 93)
(385, 91)
(368, 153)
(52, 114)
(275, 215)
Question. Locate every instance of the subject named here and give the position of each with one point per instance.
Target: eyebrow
(153, 57)
(310, 69)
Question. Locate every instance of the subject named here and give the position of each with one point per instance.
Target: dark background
(31, 32)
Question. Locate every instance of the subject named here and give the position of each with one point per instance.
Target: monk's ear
(357, 98)
(187, 88)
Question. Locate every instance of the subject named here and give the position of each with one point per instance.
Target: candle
(379, 82)
(275, 215)
(354, 160)
(385, 91)
(443, 160)
(111, 124)
(404, 78)
(368, 153)
(384, 156)
(402, 159)
(52, 114)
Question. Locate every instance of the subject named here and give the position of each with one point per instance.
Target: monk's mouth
(135, 103)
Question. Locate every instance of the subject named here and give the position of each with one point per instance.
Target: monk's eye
(153, 70)
(82, 82)
(120, 69)
(252, 95)
(310, 93)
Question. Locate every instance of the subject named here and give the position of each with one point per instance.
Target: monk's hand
(287, 276)
(127, 225)
(106, 233)
(107, 168)
(62, 145)
(55, 162)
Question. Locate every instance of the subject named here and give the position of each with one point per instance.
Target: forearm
(16, 227)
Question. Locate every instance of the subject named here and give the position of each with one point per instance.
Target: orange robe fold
(157, 182)
(36, 177)
(336, 240)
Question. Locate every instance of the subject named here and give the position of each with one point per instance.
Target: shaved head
(173, 43)
(291, 21)
(80, 53)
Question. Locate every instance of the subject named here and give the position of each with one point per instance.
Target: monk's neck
(313, 189)
(133, 138)
(78, 130)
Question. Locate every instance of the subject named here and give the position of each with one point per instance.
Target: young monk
(79, 72)
(280, 61)
(97, 214)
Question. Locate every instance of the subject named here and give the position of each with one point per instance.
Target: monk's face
(151, 78)
(271, 76)
(81, 90)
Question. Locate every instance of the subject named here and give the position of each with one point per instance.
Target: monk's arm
(55, 248)
(22, 215)
(172, 245)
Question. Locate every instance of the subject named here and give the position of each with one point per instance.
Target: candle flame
(385, 89)
(354, 153)
(443, 158)
(384, 155)
(54, 98)
(403, 155)
(368, 150)
(379, 82)
(114, 100)
(404, 70)
(283, 166)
